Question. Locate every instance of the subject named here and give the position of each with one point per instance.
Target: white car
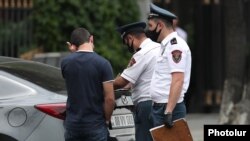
(32, 104)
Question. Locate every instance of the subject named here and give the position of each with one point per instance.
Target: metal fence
(15, 26)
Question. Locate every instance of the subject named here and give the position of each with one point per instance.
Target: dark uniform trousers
(143, 121)
(158, 110)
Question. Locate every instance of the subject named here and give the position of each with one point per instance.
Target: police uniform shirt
(139, 73)
(174, 56)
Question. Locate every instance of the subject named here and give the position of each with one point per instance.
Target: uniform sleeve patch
(131, 62)
(173, 41)
(176, 56)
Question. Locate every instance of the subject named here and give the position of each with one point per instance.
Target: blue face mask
(153, 35)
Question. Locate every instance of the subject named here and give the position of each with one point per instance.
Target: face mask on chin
(130, 47)
(153, 35)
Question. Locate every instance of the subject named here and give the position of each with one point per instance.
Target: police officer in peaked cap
(138, 75)
(170, 80)
(155, 14)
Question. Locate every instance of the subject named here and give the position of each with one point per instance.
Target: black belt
(161, 104)
(158, 104)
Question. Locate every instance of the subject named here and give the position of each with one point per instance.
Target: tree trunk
(235, 103)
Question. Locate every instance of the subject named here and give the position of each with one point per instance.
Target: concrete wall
(144, 8)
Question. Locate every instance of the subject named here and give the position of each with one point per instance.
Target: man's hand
(71, 47)
(108, 124)
(168, 120)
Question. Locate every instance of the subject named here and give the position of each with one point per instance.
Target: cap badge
(123, 34)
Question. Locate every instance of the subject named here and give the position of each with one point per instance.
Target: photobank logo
(239, 132)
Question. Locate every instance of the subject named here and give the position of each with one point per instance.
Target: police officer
(138, 74)
(170, 80)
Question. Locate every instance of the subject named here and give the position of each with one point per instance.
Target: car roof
(4, 59)
(46, 76)
(8, 60)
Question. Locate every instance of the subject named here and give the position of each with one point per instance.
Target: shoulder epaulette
(173, 41)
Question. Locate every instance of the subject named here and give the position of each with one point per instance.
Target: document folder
(179, 132)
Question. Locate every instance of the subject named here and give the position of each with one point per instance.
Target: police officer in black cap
(170, 80)
(138, 74)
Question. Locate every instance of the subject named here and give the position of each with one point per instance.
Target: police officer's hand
(168, 120)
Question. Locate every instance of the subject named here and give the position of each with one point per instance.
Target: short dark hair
(138, 34)
(168, 22)
(79, 36)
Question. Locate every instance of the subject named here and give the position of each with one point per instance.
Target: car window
(10, 88)
(46, 76)
(51, 58)
(53, 61)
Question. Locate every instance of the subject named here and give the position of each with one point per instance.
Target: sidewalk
(196, 122)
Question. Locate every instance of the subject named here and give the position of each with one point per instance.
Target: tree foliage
(53, 22)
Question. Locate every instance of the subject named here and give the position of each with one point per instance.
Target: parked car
(32, 104)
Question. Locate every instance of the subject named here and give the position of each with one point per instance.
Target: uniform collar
(145, 42)
(168, 38)
(84, 50)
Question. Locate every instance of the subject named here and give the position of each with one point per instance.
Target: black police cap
(125, 29)
(156, 11)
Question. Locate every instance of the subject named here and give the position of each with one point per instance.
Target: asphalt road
(196, 123)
